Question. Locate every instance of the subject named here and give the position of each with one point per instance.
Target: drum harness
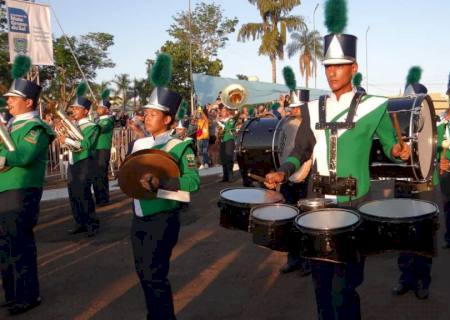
(333, 185)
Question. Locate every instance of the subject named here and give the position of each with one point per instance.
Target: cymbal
(157, 162)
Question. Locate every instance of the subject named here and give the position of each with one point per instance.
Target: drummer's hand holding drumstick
(400, 149)
(273, 179)
(149, 182)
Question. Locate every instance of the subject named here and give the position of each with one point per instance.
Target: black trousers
(100, 176)
(153, 238)
(415, 270)
(335, 284)
(19, 213)
(80, 195)
(445, 191)
(227, 159)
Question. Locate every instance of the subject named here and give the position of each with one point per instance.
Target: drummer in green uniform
(23, 163)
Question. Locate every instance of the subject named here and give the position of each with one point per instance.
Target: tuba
(69, 130)
(234, 96)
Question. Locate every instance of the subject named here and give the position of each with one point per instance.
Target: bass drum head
(248, 197)
(426, 132)
(327, 220)
(284, 139)
(398, 209)
(275, 212)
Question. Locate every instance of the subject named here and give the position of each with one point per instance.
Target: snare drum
(235, 205)
(399, 224)
(271, 226)
(329, 235)
(315, 203)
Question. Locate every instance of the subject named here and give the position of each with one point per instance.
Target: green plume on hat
(414, 75)
(336, 15)
(289, 78)
(81, 89)
(182, 110)
(161, 72)
(105, 94)
(21, 66)
(2, 102)
(357, 79)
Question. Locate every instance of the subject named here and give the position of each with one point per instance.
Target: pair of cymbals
(156, 162)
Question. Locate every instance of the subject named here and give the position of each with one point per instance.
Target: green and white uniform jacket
(89, 130)
(353, 145)
(229, 128)
(106, 126)
(31, 137)
(188, 181)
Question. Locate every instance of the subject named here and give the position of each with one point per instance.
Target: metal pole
(314, 44)
(190, 60)
(367, 62)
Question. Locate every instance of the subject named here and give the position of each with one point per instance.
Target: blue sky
(402, 34)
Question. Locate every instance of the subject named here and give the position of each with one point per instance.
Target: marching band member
(341, 126)
(227, 129)
(415, 269)
(444, 157)
(103, 150)
(21, 179)
(81, 166)
(291, 191)
(156, 222)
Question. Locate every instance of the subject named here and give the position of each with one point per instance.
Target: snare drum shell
(337, 246)
(312, 204)
(275, 235)
(236, 215)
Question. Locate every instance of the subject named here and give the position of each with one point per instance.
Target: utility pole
(314, 44)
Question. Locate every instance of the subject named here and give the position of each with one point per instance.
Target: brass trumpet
(69, 130)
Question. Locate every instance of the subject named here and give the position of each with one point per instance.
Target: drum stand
(413, 187)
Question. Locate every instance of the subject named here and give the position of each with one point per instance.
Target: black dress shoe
(92, 231)
(289, 267)
(6, 304)
(421, 292)
(77, 229)
(19, 308)
(400, 289)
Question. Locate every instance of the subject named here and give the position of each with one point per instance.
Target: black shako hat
(299, 97)
(80, 100)
(164, 100)
(25, 89)
(339, 48)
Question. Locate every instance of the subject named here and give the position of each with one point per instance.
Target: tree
(60, 80)
(303, 44)
(122, 82)
(276, 21)
(241, 77)
(209, 29)
(181, 81)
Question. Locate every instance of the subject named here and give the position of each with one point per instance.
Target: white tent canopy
(208, 87)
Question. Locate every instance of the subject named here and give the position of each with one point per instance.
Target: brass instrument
(234, 96)
(5, 138)
(69, 130)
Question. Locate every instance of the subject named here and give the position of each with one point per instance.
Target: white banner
(30, 31)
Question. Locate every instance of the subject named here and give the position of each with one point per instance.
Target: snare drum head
(274, 212)
(251, 196)
(327, 219)
(398, 208)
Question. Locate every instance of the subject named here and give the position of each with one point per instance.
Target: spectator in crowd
(203, 137)
(213, 147)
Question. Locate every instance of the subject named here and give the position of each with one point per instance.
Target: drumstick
(256, 177)
(398, 131)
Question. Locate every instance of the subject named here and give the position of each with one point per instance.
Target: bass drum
(416, 117)
(263, 144)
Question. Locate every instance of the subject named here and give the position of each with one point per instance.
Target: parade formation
(306, 172)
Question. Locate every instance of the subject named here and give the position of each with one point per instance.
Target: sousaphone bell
(157, 162)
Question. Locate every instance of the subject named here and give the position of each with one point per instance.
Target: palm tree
(272, 30)
(122, 81)
(303, 43)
